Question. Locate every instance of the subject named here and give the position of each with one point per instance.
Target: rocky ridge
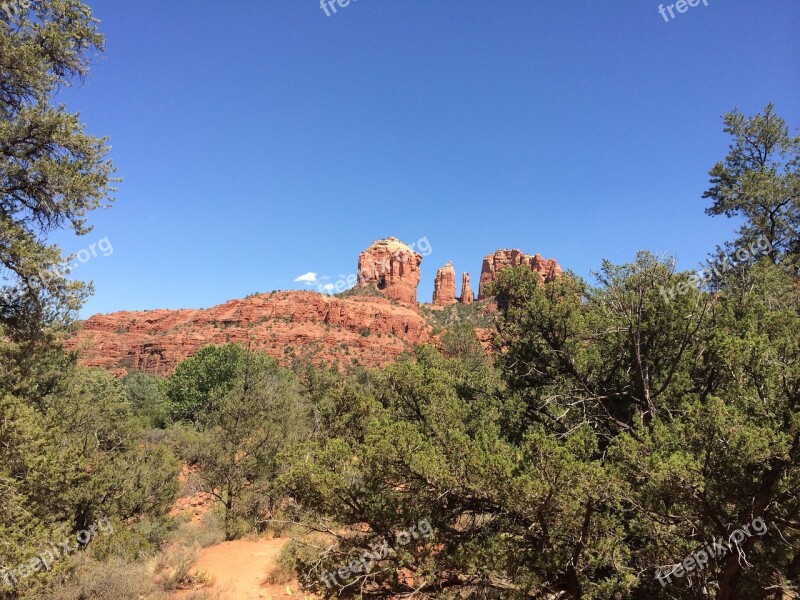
(286, 325)
(359, 328)
(549, 269)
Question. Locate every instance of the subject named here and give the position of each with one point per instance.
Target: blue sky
(261, 140)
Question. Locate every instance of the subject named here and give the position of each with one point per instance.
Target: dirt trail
(239, 570)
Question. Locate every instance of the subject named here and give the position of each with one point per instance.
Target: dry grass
(173, 566)
(113, 579)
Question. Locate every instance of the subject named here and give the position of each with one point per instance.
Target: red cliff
(287, 325)
(444, 286)
(467, 296)
(393, 268)
(356, 329)
(503, 259)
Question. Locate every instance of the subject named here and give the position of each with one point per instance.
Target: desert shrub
(456, 314)
(238, 434)
(365, 291)
(295, 560)
(146, 394)
(117, 579)
(137, 541)
(173, 566)
(209, 531)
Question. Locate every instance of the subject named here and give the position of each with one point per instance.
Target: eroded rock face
(393, 267)
(467, 296)
(286, 325)
(503, 259)
(369, 331)
(444, 286)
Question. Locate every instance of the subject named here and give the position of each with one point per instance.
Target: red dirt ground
(240, 569)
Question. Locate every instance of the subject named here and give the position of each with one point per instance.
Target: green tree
(75, 456)
(241, 430)
(209, 373)
(340, 403)
(692, 401)
(147, 395)
(52, 172)
(599, 355)
(461, 341)
(22, 530)
(759, 180)
(95, 461)
(433, 443)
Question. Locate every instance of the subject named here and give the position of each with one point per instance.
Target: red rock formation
(372, 331)
(394, 267)
(362, 330)
(503, 259)
(467, 297)
(444, 286)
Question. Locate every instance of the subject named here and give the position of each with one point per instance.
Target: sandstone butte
(503, 259)
(444, 286)
(467, 297)
(371, 330)
(393, 267)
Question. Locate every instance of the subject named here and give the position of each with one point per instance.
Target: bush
(147, 396)
(174, 564)
(135, 542)
(210, 372)
(116, 579)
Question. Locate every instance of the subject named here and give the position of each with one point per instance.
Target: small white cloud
(328, 288)
(308, 278)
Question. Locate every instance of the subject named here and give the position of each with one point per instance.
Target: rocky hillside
(368, 331)
(371, 325)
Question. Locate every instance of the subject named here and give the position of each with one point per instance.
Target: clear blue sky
(260, 140)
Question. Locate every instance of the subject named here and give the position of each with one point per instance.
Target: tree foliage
(250, 413)
(759, 181)
(71, 449)
(200, 379)
(635, 421)
(74, 457)
(52, 172)
(148, 398)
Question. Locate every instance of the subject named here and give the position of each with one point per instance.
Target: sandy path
(239, 569)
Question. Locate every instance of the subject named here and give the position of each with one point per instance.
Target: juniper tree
(52, 172)
(759, 180)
